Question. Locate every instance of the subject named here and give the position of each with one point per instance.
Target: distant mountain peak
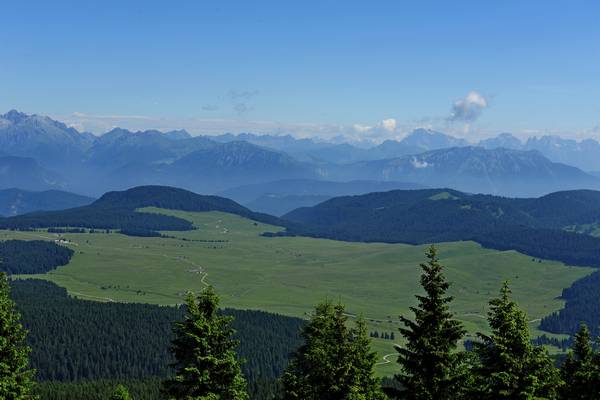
(505, 140)
(178, 134)
(14, 116)
(423, 131)
(431, 140)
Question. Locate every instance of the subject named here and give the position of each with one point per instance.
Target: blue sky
(308, 68)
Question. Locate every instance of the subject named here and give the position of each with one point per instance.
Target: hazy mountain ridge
(418, 141)
(478, 170)
(26, 173)
(279, 197)
(581, 154)
(16, 201)
(61, 157)
(122, 158)
(120, 147)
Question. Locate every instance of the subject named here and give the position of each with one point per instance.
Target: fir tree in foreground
(581, 370)
(15, 376)
(335, 363)
(510, 366)
(206, 367)
(120, 393)
(430, 367)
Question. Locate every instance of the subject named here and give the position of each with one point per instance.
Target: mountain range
(312, 150)
(498, 171)
(39, 153)
(581, 154)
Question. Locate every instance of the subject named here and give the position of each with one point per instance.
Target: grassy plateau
(288, 275)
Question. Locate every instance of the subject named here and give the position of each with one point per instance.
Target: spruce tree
(429, 364)
(362, 379)
(15, 375)
(335, 363)
(510, 366)
(120, 393)
(206, 367)
(581, 370)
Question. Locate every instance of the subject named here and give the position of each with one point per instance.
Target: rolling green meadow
(288, 275)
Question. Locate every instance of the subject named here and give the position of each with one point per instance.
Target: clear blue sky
(315, 65)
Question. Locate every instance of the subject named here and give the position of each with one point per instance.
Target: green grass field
(289, 275)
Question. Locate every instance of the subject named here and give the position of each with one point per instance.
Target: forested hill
(538, 226)
(117, 210)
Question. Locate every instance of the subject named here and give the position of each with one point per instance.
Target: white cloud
(361, 128)
(468, 108)
(388, 128)
(420, 163)
(389, 124)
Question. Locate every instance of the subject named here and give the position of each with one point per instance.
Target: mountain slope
(26, 173)
(532, 226)
(235, 163)
(121, 147)
(17, 201)
(118, 210)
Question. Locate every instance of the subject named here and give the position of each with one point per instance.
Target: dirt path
(386, 359)
(93, 297)
(533, 321)
(200, 269)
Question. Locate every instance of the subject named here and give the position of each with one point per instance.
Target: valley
(288, 275)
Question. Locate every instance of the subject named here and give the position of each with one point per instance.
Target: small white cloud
(361, 128)
(384, 129)
(420, 163)
(389, 124)
(469, 108)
